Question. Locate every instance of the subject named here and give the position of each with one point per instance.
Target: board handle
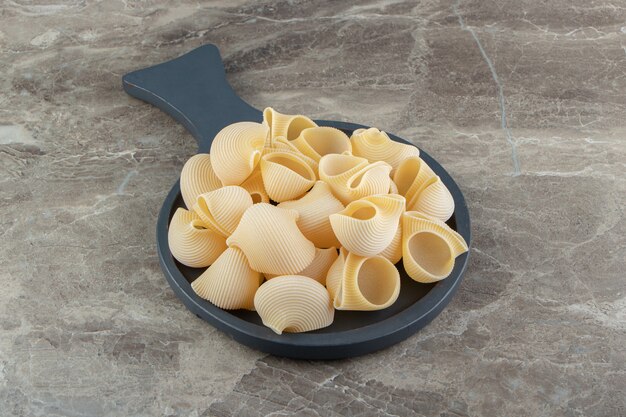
(193, 90)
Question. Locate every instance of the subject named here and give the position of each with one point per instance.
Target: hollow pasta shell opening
(316, 142)
(222, 209)
(286, 176)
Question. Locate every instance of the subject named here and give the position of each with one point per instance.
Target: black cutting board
(194, 91)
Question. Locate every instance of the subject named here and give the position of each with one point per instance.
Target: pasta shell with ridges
(236, 150)
(222, 209)
(363, 283)
(254, 186)
(367, 226)
(271, 240)
(316, 142)
(411, 177)
(352, 177)
(197, 177)
(294, 304)
(429, 247)
(393, 252)
(314, 209)
(191, 242)
(434, 199)
(229, 283)
(286, 125)
(376, 145)
(286, 176)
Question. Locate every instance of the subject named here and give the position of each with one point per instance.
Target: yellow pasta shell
(254, 186)
(434, 199)
(286, 125)
(229, 283)
(352, 177)
(316, 142)
(271, 240)
(318, 268)
(286, 176)
(191, 242)
(294, 304)
(411, 175)
(236, 150)
(197, 177)
(314, 209)
(393, 252)
(429, 247)
(222, 209)
(375, 145)
(367, 226)
(362, 283)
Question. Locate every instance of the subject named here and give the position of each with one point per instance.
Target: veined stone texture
(523, 102)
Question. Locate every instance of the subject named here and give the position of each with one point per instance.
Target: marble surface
(524, 102)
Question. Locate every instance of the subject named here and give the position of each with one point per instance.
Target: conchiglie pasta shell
(352, 178)
(286, 125)
(254, 186)
(191, 242)
(363, 283)
(375, 145)
(367, 226)
(222, 209)
(197, 177)
(229, 283)
(393, 252)
(316, 142)
(286, 176)
(236, 150)
(429, 247)
(294, 304)
(314, 209)
(271, 240)
(434, 199)
(411, 176)
(317, 269)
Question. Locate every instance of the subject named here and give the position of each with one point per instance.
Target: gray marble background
(523, 101)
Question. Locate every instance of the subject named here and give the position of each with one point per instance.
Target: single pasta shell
(352, 177)
(222, 209)
(411, 177)
(429, 247)
(434, 199)
(229, 283)
(286, 176)
(191, 242)
(316, 142)
(197, 177)
(314, 209)
(271, 240)
(294, 304)
(236, 150)
(362, 283)
(393, 252)
(376, 145)
(286, 125)
(254, 186)
(367, 226)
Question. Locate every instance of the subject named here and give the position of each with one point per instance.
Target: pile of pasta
(295, 220)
